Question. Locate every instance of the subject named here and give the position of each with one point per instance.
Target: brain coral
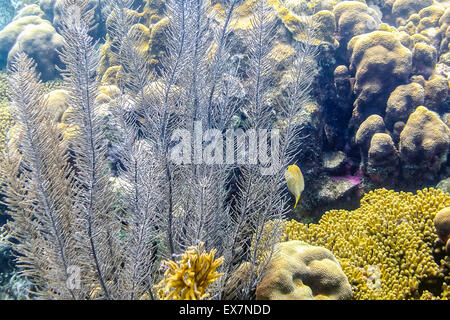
(57, 102)
(424, 144)
(442, 225)
(380, 63)
(388, 247)
(300, 271)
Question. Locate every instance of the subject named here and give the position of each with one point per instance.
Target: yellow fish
(295, 182)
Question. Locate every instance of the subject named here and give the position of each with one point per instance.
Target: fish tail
(296, 201)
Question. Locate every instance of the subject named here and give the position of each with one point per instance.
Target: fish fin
(296, 201)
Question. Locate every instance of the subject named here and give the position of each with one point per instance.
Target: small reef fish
(295, 181)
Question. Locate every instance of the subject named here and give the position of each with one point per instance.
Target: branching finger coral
(388, 247)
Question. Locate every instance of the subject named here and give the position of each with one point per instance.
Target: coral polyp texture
(388, 247)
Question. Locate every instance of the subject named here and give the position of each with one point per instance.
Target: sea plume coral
(71, 210)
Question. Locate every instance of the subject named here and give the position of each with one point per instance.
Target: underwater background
(374, 211)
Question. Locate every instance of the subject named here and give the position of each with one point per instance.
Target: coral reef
(388, 248)
(151, 24)
(378, 117)
(300, 271)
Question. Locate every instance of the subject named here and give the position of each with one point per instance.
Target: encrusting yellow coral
(189, 277)
(6, 122)
(388, 248)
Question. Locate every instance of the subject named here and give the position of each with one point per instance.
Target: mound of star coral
(354, 18)
(424, 144)
(402, 102)
(380, 63)
(30, 10)
(37, 38)
(388, 248)
(402, 9)
(40, 42)
(383, 159)
(9, 34)
(189, 277)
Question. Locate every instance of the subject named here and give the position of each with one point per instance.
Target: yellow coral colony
(189, 277)
(388, 248)
(295, 182)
